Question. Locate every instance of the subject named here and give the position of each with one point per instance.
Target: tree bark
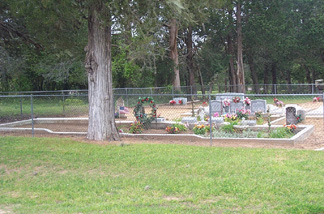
(240, 66)
(288, 78)
(189, 59)
(98, 65)
(308, 77)
(173, 31)
(253, 73)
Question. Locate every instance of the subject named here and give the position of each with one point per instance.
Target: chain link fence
(164, 112)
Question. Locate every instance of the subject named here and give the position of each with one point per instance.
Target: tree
(98, 65)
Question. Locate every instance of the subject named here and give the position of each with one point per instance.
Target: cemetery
(232, 116)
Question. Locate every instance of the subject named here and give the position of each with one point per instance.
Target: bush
(136, 128)
(230, 127)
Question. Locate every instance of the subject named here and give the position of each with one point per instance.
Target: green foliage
(229, 128)
(73, 102)
(136, 128)
(281, 132)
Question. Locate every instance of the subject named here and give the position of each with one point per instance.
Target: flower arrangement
(176, 128)
(298, 118)
(136, 128)
(236, 99)
(172, 102)
(226, 102)
(216, 114)
(180, 102)
(230, 117)
(202, 129)
(247, 101)
(278, 103)
(139, 113)
(172, 130)
(291, 128)
(204, 104)
(199, 129)
(243, 114)
(316, 99)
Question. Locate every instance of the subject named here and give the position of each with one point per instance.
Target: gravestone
(183, 99)
(258, 106)
(291, 115)
(302, 114)
(217, 120)
(119, 103)
(235, 107)
(189, 120)
(248, 123)
(229, 96)
(216, 106)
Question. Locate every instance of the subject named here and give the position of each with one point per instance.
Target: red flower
(151, 101)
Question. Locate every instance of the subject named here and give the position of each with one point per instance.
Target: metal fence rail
(34, 107)
(196, 89)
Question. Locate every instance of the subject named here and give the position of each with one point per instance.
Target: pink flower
(216, 114)
(247, 101)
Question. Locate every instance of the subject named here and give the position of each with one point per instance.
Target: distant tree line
(162, 43)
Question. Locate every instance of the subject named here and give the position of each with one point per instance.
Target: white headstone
(216, 106)
(258, 105)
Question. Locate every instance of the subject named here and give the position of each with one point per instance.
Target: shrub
(281, 132)
(230, 127)
(136, 128)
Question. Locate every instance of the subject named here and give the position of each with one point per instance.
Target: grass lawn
(47, 175)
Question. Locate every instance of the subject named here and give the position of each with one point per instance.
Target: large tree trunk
(308, 78)
(253, 73)
(190, 63)
(240, 68)
(98, 65)
(173, 31)
(288, 79)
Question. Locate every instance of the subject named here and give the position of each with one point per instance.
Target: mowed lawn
(48, 175)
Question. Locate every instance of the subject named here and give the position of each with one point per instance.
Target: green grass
(43, 106)
(46, 175)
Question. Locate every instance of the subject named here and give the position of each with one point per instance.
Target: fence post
(21, 111)
(127, 97)
(210, 122)
(32, 113)
(63, 103)
(275, 88)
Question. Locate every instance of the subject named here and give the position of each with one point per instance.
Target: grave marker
(258, 106)
(291, 115)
